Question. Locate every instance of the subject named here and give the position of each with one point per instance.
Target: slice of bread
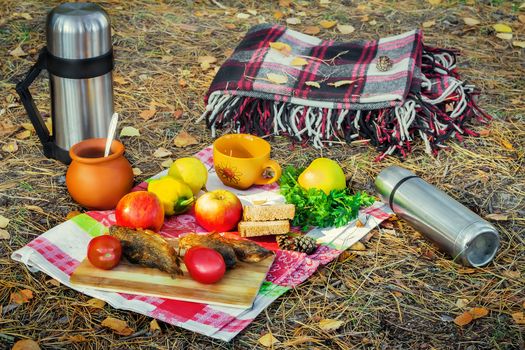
(268, 212)
(263, 228)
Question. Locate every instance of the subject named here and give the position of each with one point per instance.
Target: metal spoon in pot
(111, 133)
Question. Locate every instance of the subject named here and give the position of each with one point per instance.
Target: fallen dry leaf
(328, 324)
(312, 30)
(72, 214)
(478, 312)
(504, 36)
(10, 147)
(26, 344)
(342, 83)
(129, 131)
(243, 15)
(313, 83)
(358, 246)
(327, 24)
(428, 24)
(188, 28)
(463, 319)
(484, 132)
(471, 21)
(22, 296)
(17, 52)
(278, 15)
(277, 78)
(24, 15)
(120, 80)
(268, 340)
(184, 139)
(512, 274)
(345, 28)
(161, 152)
(182, 82)
(299, 61)
(507, 144)
(518, 43)
(3, 221)
(208, 59)
(154, 326)
(518, 317)
(252, 12)
(53, 282)
(167, 163)
(34, 208)
(372, 22)
(118, 326)
(178, 113)
(4, 234)
(300, 340)
(23, 135)
(283, 48)
(434, 2)
(285, 3)
(95, 303)
(497, 217)
(521, 18)
(136, 171)
(230, 26)
(7, 128)
(77, 338)
(502, 28)
(293, 20)
(462, 303)
(147, 114)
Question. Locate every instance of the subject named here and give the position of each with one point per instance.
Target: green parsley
(313, 207)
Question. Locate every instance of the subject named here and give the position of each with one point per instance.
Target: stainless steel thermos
(79, 60)
(468, 238)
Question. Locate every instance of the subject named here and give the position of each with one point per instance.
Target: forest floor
(401, 292)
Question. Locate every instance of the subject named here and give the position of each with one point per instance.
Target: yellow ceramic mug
(243, 160)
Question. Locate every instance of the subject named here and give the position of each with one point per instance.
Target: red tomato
(205, 265)
(104, 252)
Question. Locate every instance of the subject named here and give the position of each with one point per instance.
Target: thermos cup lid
(389, 180)
(78, 30)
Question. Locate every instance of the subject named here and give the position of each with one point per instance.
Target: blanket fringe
(433, 115)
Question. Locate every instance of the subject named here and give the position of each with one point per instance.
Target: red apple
(218, 211)
(140, 209)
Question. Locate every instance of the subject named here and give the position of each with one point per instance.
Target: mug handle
(276, 168)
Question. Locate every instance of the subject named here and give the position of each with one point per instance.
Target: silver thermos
(79, 60)
(468, 238)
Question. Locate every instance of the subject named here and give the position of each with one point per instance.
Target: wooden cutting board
(238, 287)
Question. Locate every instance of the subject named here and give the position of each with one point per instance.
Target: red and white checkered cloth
(60, 250)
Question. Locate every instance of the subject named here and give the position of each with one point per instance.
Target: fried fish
(147, 248)
(241, 249)
(245, 250)
(193, 240)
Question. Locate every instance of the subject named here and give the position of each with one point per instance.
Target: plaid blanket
(388, 91)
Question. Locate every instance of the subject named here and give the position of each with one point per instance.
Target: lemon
(175, 195)
(190, 170)
(324, 174)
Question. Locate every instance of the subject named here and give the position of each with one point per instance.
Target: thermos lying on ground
(464, 235)
(79, 60)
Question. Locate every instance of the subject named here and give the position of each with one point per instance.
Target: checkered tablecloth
(60, 250)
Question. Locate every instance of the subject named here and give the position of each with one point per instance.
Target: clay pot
(95, 181)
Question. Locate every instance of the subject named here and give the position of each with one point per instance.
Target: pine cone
(305, 244)
(285, 242)
(384, 63)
